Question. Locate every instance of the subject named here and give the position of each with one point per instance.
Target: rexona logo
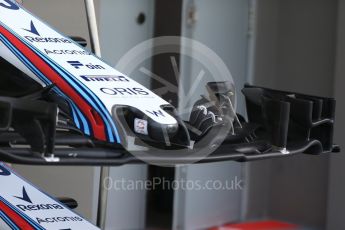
(34, 207)
(4, 171)
(105, 78)
(8, 4)
(39, 39)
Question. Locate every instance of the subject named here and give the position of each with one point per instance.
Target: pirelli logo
(105, 78)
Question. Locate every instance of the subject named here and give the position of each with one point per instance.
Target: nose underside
(134, 123)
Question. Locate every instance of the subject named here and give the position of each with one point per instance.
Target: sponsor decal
(71, 52)
(78, 65)
(32, 29)
(140, 126)
(9, 5)
(100, 78)
(59, 219)
(39, 207)
(47, 40)
(30, 207)
(40, 39)
(158, 113)
(124, 91)
(25, 196)
(34, 207)
(75, 64)
(4, 171)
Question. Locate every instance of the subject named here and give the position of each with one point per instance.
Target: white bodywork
(102, 81)
(35, 206)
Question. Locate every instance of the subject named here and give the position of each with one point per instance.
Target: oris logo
(124, 91)
(9, 4)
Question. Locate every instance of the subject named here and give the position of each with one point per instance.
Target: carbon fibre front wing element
(279, 124)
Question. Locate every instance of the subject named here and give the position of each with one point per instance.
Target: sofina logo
(78, 65)
(9, 4)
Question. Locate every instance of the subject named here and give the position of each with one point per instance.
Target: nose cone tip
(172, 129)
